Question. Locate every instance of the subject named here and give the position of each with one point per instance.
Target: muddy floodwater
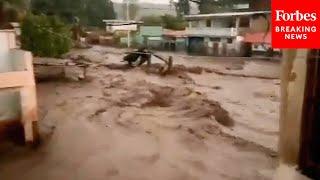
(211, 118)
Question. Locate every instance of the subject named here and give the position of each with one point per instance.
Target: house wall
(221, 22)
(202, 24)
(223, 29)
(113, 29)
(9, 99)
(196, 45)
(293, 80)
(7, 39)
(145, 32)
(214, 23)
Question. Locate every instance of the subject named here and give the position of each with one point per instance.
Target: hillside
(147, 9)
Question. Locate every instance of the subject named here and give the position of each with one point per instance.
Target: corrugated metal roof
(226, 14)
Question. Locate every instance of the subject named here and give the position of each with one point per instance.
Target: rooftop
(116, 22)
(226, 14)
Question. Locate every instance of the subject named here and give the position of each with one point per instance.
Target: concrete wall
(7, 39)
(9, 99)
(113, 29)
(293, 80)
(221, 22)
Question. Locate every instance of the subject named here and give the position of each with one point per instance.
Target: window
(215, 39)
(208, 23)
(245, 22)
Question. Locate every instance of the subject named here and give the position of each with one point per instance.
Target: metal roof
(116, 22)
(227, 14)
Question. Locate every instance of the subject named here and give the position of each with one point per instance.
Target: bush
(151, 20)
(173, 22)
(168, 21)
(45, 36)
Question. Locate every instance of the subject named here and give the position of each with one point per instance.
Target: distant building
(122, 26)
(113, 26)
(222, 34)
(150, 37)
(174, 40)
(261, 43)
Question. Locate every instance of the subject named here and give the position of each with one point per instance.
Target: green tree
(152, 20)
(182, 7)
(90, 12)
(97, 10)
(10, 10)
(173, 22)
(45, 36)
(65, 9)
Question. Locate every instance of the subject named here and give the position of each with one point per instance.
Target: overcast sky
(149, 1)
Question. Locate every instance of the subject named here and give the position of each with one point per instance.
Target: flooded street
(211, 118)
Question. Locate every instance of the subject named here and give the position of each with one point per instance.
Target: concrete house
(113, 26)
(221, 34)
(17, 87)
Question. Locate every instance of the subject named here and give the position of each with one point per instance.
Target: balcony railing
(217, 32)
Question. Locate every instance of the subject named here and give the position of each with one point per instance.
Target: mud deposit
(134, 124)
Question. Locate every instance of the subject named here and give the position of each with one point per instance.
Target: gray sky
(149, 1)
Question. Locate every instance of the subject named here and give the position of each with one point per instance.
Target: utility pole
(128, 19)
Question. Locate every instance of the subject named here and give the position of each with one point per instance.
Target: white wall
(9, 99)
(221, 23)
(112, 29)
(7, 39)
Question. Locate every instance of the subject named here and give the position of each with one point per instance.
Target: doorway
(310, 138)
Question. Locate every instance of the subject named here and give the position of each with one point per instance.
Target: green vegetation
(11, 10)
(182, 7)
(173, 22)
(90, 12)
(167, 21)
(45, 36)
(152, 20)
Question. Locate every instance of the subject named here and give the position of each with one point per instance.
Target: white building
(222, 33)
(113, 26)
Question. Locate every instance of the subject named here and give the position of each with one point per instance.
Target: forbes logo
(281, 15)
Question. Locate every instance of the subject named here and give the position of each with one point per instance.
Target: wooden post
(29, 104)
(237, 25)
